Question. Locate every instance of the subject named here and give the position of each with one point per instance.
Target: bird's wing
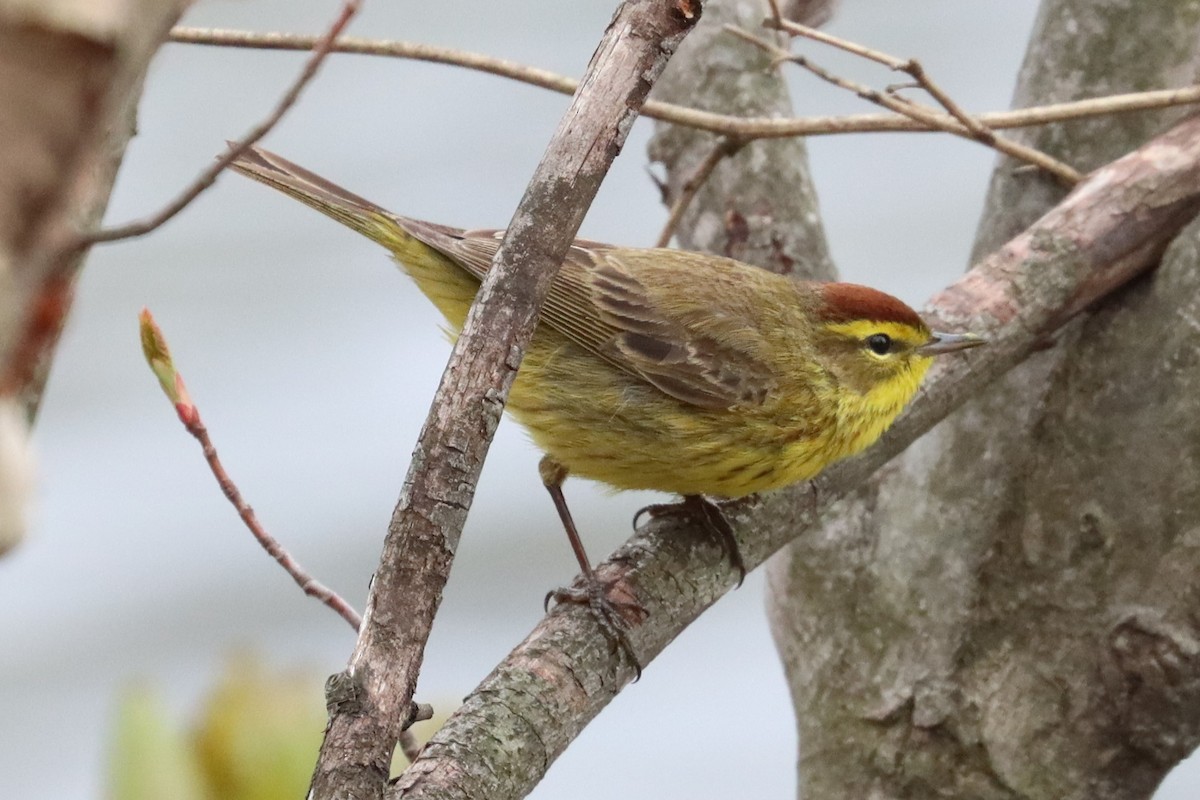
(704, 350)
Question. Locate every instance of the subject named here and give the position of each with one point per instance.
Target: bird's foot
(614, 609)
(708, 514)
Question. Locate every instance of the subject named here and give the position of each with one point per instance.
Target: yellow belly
(606, 425)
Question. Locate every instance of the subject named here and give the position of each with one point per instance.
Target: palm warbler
(668, 370)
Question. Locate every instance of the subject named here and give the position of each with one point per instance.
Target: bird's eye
(879, 343)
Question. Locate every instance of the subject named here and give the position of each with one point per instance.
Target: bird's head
(876, 347)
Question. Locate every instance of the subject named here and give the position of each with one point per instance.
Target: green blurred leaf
(150, 759)
(260, 733)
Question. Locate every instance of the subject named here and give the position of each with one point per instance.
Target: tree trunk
(1010, 611)
(759, 205)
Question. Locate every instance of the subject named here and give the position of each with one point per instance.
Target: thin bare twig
(977, 130)
(911, 66)
(924, 114)
(722, 148)
(409, 744)
(739, 127)
(158, 355)
(389, 48)
(307, 583)
(779, 22)
(320, 49)
(980, 131)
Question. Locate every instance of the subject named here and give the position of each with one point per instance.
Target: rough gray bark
(759, 205)
(1011, 611)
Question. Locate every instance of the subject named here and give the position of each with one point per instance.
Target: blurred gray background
(313, 360)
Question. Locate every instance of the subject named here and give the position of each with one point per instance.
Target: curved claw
(613, 616)
(708, 514)
(657, 510)
(715, 520)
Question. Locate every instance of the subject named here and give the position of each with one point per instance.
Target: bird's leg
(708, 514)
(613, 616)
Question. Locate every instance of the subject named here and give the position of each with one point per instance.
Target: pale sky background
(313, 361)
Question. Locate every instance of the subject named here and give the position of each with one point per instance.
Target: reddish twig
(154, 345)
(208, 177)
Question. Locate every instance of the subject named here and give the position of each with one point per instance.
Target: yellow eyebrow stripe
(898, 331)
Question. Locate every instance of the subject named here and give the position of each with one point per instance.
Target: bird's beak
(940, 343)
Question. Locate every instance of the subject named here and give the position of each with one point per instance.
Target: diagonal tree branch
(373, 702)
(1112, 228)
